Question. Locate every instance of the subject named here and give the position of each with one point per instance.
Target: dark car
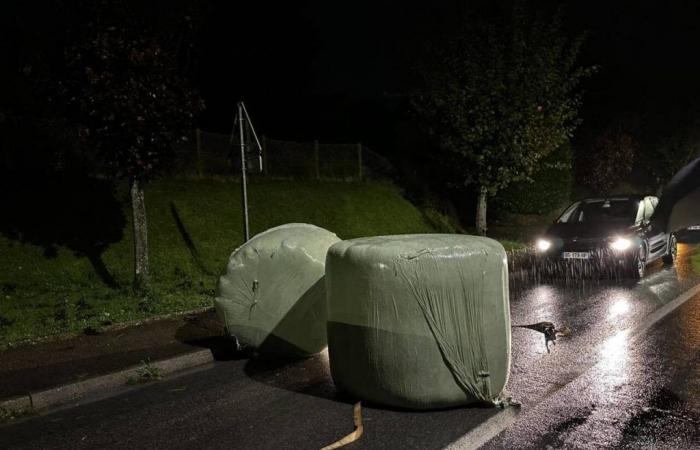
(612, 233)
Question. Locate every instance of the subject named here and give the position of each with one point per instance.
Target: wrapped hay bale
(272, 295)
(419, 321)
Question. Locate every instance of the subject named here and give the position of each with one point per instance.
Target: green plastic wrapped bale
(272, 295)
(419, 321)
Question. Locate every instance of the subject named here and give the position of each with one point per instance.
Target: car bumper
(602, 259)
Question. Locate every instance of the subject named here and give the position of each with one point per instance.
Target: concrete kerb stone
(71, 392)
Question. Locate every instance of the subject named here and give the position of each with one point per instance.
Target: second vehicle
(612, 233)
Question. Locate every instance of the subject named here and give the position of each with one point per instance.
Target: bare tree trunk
(138, 206)
(481, 211)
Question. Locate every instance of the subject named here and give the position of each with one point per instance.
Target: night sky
(341, 71)
(314, 69)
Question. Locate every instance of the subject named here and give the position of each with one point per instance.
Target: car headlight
(543, 245)
(620, 244)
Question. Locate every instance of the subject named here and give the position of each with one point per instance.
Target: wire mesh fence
(216, 154)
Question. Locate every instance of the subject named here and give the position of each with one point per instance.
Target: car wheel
(672, 253)
(639, 263)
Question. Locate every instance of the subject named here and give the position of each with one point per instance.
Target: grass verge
(695, 260)
(49, 285)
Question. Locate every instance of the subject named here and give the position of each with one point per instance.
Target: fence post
(198, 135)
(316, 168)
(359, 161)
(264, 155)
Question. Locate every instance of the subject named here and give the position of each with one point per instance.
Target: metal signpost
(242, 123)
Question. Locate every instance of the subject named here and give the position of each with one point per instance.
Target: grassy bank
(695, 260)
(51, 285)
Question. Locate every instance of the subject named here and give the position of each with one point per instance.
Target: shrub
(549, 189)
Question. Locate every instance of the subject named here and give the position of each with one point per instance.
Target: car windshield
(603, 210)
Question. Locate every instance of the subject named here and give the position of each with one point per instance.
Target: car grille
(583, 245)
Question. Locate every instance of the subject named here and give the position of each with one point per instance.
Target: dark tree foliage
(499, 95)
(125, 89)
(608, 162)
(549, 189)
(669, 153)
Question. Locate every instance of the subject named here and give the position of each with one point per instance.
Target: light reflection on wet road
(596, 313)
(604, 386)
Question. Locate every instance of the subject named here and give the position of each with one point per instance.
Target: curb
(71, 392)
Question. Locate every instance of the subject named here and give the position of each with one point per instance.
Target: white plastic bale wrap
(272, 295)
(419, 321)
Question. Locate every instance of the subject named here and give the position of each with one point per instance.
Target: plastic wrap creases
(272, 294)
(419, 321)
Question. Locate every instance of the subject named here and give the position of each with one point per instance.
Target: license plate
(576, 255)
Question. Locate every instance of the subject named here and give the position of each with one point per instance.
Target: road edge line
(489, 429)
(665, 310)
(485, 431)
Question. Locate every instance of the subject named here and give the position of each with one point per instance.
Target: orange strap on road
(355, 435)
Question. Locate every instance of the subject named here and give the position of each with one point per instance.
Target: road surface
(628, 376)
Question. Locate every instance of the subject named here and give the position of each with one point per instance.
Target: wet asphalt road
(618, 381)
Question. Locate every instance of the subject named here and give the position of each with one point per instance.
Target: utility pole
(244, 184)
(242, 119)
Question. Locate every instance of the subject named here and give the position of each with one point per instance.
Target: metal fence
(214, 154)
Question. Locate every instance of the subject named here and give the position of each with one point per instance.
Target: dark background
(343, 71)
(346, 67)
